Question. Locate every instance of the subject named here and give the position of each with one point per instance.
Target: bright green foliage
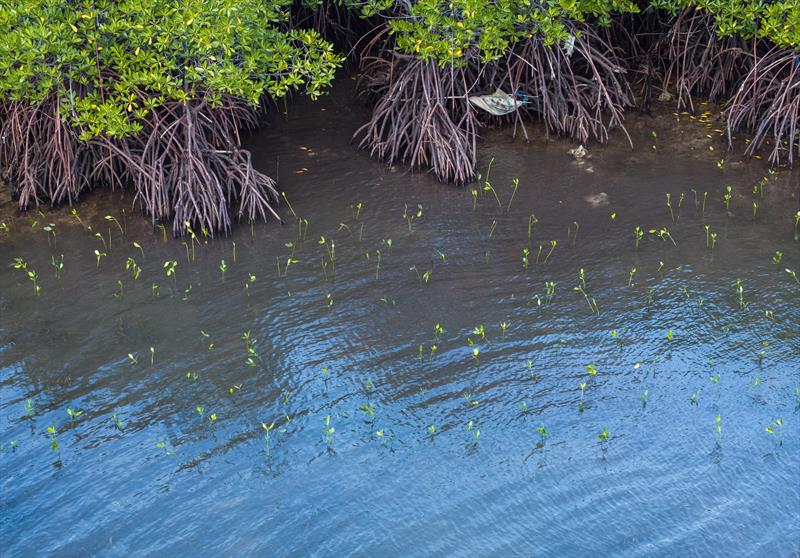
(777, 21)
(110, 62)
(445, 30)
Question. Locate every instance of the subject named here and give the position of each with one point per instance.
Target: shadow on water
(265, 410)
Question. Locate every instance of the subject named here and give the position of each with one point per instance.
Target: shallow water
(666, 483)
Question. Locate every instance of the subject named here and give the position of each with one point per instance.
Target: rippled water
(417, 480)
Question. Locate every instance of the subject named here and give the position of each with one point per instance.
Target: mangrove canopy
(153, 95)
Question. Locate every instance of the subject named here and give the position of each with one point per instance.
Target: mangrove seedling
(637, 235)
(250, 280)
(581, 404)
(542, 434)
(438, 330)
(75, 215)
(695, 398)
(669, 205)
(776, 259)
(771, 429)
(328, 431)
(267, 437)
(152, 356)
(368, 411)
(234, 388)
(192, 238)
(727, 197)
(51, 231)
(130, 264)
(53, 431)
(133, 358)
(487, 187)
(797, 225)
(604, 438)
(630, 276)
(791, 272)
(514, 193)
(663, 234)
(355, 209)
(476, 433)
(503, 327)
(525, 252)
(169, 267)
(139, 246)
(553, 244)
(117, 422)
(550, 290)
(591, 302)
(532, 220)
(289, 205)
(58, 264)
(718, 428)
(424, 277)
(99, 255)
(569, 232)
(103, 240)
(740, 294)
(112, 219)
(19, 263)
(28, 408)
(223, 267)
(409, 217)
(591, 369)
(755, 210)
(703, 208)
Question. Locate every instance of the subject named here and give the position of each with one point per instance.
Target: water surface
(674, 349)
